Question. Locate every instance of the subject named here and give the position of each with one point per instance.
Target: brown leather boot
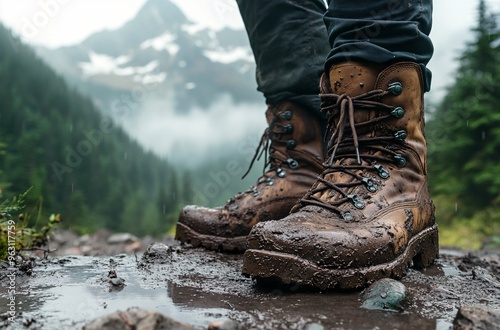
(369, 215)
(295, 160)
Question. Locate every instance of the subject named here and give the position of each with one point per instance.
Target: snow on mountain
(166, 41)
(160, 69)
(101, 64)
(227, 56)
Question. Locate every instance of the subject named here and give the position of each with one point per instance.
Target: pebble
(123, 238)
(224, 325)
(385, 294)
(315, 326)
(136, 318)
(158, 253)
(476, 317)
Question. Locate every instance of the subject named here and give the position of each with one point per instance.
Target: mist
(195, 135)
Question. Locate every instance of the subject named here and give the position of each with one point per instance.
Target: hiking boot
(369, 215)
(294, 142)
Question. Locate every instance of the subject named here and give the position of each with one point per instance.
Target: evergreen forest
(463, 134)
(78, 163)
(83, 166)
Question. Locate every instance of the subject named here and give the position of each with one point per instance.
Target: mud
(199, 287)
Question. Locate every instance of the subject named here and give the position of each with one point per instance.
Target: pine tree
(464, 133)
(54, 143)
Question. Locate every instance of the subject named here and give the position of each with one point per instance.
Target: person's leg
(289, 42)
(369, 215)
(380, 32)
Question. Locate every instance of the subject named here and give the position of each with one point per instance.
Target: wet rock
(123, 238)
(157, 253)
(138, 319)
(483, 275)
(385, 294)
(470, 317)
(86, 250)
(114, 279)
(28, 322)
(224, 325)
(487, 259)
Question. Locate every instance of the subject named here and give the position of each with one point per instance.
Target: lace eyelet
(288, 128)
(398, 112)
(291, 144)
(370, 185)
(255, 193)
(269, 181)
(347, 216)
(292, 163)
(356, 202)
(401, 135)
(281, 172)
(396, 88)
(382, 172)
(400, 161)
(287, 115)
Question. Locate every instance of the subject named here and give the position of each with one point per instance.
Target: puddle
(198, 287)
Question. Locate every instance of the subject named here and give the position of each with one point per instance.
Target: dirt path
(198, 287)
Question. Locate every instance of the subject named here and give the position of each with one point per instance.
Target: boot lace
(274, 157)
(364, 152)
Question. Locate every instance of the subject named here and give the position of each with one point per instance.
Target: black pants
(294, 41)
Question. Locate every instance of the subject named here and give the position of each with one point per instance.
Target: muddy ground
(198, 287)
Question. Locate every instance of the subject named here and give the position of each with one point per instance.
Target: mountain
(164, 55)
(79, 163)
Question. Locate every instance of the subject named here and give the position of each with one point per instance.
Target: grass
(16, 235)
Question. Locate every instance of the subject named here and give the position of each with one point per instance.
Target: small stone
(224, 325)
(117, 281)
(476, 317)
(123, 238)
(136, 318)
(157, 253)
(86, 250)
(385, 294)
(314, 326)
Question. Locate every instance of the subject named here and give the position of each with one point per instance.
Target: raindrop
(456, 207)
(72, 187)
(125, 155)
(164, 209)
(71, 127)
(483, 135)
(467, 123)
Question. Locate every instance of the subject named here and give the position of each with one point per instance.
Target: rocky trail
(108, 283)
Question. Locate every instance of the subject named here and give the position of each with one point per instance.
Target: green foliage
(16, 236)
(80, 163)
(464, 141)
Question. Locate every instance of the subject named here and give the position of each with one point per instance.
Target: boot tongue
(353, 78)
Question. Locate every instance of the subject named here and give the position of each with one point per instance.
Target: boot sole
(186, 234)
(264, 265)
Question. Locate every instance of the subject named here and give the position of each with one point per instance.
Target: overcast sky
(54, 23)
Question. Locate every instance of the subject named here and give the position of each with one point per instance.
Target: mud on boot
(295, 145)
(369, 215)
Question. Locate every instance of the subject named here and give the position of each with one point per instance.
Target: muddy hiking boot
(293, 146)
(369, 215)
